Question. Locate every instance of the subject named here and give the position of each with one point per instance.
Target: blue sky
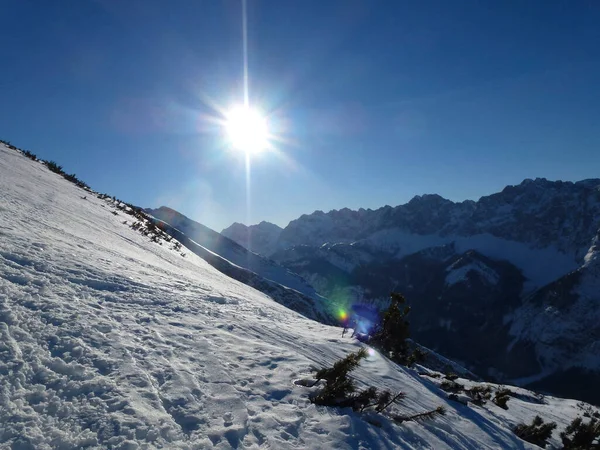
(374, 102)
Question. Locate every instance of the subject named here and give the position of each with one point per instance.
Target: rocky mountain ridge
(538, 212)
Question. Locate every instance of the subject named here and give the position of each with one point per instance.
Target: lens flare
(247, 130)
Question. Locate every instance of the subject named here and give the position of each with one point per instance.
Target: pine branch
(440, 410)
(398, 396)
(315, 383)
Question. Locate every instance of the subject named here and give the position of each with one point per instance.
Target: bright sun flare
(247, 130)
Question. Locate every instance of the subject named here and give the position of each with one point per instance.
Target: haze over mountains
(508, 285)
(261, 238)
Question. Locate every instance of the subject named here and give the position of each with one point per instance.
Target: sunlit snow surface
(109, 340)
(458, 273)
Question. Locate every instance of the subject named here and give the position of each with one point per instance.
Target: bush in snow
(588, 410)
(537, 432)
(30, 155)
(73, 179)
(579, 435)
(54, 167)
(451, 386)
(8, 144)
(340, 390)
(501, 398)
(479, 394)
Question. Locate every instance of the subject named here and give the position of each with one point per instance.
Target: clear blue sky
(377, 100)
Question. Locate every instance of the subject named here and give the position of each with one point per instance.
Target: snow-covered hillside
(111, 340)
(243, 265)
(232, 251)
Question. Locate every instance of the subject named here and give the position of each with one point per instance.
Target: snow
(592, 258)
(234, 252)
(109, 340)
(458, 273)
(565, 336)
(539, 265)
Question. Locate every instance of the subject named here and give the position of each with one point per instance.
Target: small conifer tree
(537, 432)
(338, 385)
(393, 331)
(340, 390)
(579, 435)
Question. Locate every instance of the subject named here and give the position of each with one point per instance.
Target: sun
(247, 130)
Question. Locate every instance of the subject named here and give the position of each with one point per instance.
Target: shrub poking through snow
(430, 375)
(579, 435)
(73, 179)
(54, 167)
(479, 394)
(501, 398)
(338, 386)
(340, 391)
(537, 432)
(451, 386)
(417, 355)
(462, 399)
(30, 155)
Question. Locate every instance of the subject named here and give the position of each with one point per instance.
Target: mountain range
(507, 285)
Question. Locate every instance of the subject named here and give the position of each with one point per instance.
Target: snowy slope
(233, 252)
(314, 307)
(458, 273)
(109, 340)
(562, 320)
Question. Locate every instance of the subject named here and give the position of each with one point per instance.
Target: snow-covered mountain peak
(592, 257)
(538, 213)
(470, 264)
